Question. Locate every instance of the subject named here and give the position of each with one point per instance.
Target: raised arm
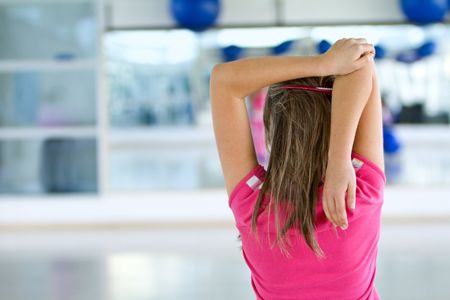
(232, 82)
(350, 95)
(354, 95)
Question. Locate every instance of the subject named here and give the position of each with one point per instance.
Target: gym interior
(110, 183)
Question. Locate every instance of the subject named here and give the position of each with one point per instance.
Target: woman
(309, 224)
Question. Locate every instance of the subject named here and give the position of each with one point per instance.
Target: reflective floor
(193, 263)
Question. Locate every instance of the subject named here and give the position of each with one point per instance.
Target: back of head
(297, 124)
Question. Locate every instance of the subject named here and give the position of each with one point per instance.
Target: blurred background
(110, 184)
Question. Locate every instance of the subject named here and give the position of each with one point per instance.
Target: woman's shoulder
(249, 184)
(361, 162)
(370, 179)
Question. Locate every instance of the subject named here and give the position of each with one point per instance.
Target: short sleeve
(248, 184)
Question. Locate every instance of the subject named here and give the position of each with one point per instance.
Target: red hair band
(317, 89)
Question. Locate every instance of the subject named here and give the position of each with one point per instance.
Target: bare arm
(232, 82)
(239, 79)
(350, 96)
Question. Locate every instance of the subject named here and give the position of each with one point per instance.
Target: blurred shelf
(47, 65)
(14, 133)
(17, 2)
(401, 203)
(423, 134)
(410, 134)
(162, 136)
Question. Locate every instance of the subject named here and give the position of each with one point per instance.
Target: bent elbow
(217, 74)
(219, 79)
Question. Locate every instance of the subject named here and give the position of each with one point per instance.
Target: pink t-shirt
(347, 272)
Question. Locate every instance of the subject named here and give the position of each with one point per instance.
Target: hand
(348, 55)
(340, 177)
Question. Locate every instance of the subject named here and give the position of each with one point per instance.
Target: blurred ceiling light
(259, 37)
(447, 65)
(152, 47)
(332, 34)
(393, 39)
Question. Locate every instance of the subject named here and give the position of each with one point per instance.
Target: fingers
(365, 48)
(360, 40)
(334, 208)
(351, 198)
(326, 209)
(349, 55)
(340, 213)
(353, 40)
(361, 45)
(329, 209)
(332, 211)
(363, 60)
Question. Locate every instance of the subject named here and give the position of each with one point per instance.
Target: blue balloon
(380, 52)
(390, 141)
(427, 49)
(282, 48)
(231, 53)
(196, 15)
(408, 57)
(425, 11)
(323, 46)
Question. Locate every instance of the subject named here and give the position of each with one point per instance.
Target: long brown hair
(297, 126)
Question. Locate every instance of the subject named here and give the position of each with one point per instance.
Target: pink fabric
(347, 272)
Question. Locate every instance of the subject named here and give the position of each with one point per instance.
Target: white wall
(156, 13)
(138, 13)
(401, 203)
(348, 11)
(248, 12)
